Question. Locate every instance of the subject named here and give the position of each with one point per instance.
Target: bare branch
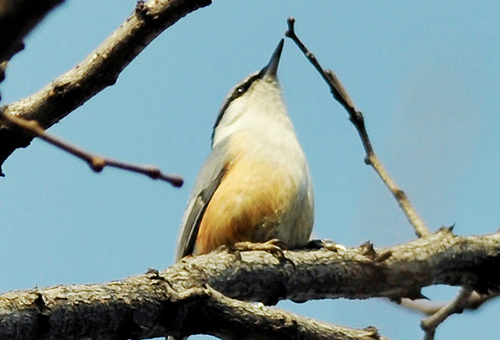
(440, 258)
(157, 304)
(430, 324)
(427, 307)
(97, 71)
(356, 117)
(146, 306)
(96, 163)
(233, 319)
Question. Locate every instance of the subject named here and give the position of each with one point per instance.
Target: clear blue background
(425, 74)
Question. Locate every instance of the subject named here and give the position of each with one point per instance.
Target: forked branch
(172, 301)
(98, 70)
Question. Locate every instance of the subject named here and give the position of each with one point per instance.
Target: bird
(255, 185)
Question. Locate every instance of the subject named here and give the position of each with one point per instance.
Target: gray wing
(210, 176)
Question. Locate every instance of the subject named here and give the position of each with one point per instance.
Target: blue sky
(425, 74)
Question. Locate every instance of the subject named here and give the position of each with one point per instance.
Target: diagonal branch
(457, 305)
(428, 308)
(356, 117)
(97, 71)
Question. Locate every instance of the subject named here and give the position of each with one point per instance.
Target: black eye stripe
(238, 92)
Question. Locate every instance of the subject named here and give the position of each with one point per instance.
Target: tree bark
(174, 301)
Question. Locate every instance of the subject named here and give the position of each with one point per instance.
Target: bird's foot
(273, 246)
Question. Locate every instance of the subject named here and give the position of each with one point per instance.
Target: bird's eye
(240, 90)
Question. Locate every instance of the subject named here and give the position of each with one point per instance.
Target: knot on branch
(142, 10)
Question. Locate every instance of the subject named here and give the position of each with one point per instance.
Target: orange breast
(247, 206)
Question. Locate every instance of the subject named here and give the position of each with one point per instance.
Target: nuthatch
(255, 184)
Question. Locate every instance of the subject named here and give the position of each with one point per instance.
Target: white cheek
(231, 121)
(260, 111)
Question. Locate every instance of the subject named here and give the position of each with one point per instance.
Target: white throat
(260, 111)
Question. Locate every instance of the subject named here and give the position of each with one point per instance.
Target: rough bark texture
(174, 301)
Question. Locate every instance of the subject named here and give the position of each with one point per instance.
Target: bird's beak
(272, 68)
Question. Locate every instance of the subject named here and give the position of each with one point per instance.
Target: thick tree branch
(441, 258)
(146, 305)
(228, 318)
(99, 70)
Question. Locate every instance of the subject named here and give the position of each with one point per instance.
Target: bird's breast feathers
(262, 196)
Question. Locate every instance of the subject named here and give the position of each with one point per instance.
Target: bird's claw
(275, 247)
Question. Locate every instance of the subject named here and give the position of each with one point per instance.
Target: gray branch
(170, 301)
(97, 71)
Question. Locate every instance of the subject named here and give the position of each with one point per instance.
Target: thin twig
(427, 307)
(457, 305)
(96, 163)
(356, 117)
